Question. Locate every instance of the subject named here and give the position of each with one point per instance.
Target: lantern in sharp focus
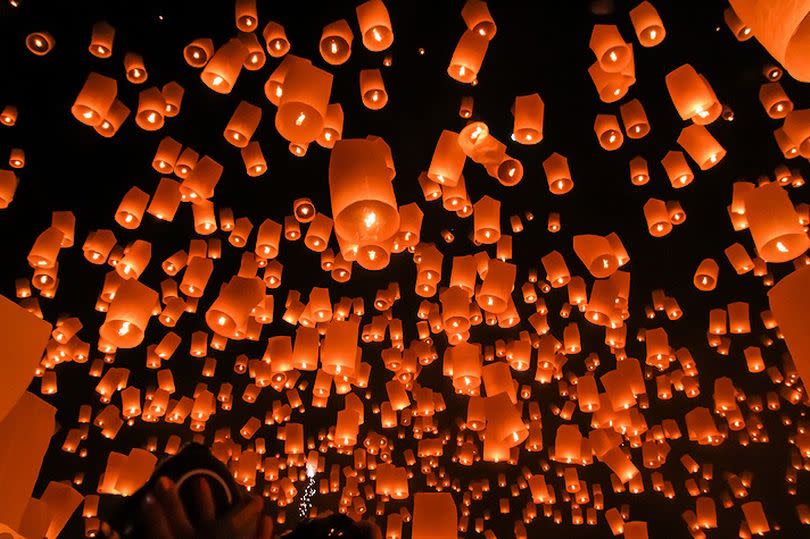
(774, 224)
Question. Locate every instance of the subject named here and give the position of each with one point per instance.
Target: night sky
(537, 48)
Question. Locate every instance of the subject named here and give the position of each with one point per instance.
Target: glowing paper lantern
(8, 186)
(128, 314)
(372, 89)
(39, 43)
(781, 28)
(788, 301)
(677, 169)
(478, 19)
(243, 124)
(557, 174)
(221, 72)
(434, 516)
(336, 42)
(95, 99)
(363, 202)
(101, 41)
(375, 25)
(468, 57)
(528, 111)
(276, 40)
(608, 132)
(657, 216)
(596, 254)
(611, 51)
(647, 24)
(774, 224)
(692, 96)
(26, 432)
(701, 146)
(198, 52)
(303, 103)
(634, 119)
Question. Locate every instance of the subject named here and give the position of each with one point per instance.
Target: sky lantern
(478, 19)
(101, 40)
(222, 70)
(785, 40)
(275, 39)
(787, 300)
(375, 25)
(336, 42)
(198, 52)
(647, 23)
(8, 186)
(701, 146)
(129, 314)
(634, 119)
(372, 89)
(692, 95)
(557, 174)
(528, 112)
(434, 516)
(363, 201)
(468, 57)
(303, 104)
(774, 224)
(611, 51)
(95, 99)
(608, 132)
(39, 43)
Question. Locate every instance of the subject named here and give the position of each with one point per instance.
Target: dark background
(540, 47)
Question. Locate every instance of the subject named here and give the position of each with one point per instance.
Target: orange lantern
(608, 132)
(221, 72)
(612, 53)
(95, 99)
(101, 41)
(557, 174)
(198, 52)
(701, 146)
(657, 216)
(372, 89)
(692, 96)
(128, 314)
(528, 111)
(39, 43)
(151, 107)
(647, 24)
(246, 17)
(634, 119)
(336, 42)
(375, 25)
(243, 124)
(468, 57)
(303, 103)
(478, 19)
(275, 39)
(774, 224)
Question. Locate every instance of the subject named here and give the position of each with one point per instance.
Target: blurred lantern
(39, 43)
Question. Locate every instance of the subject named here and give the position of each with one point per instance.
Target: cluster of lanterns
(428, 488)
